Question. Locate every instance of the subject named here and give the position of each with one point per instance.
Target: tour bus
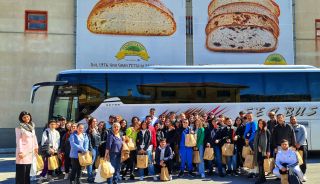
(220, 89)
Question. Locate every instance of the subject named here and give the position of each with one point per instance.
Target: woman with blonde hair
(199, 130)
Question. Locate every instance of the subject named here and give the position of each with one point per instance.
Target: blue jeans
(201, 165)
(232, 161)
(150, 165)
(186, 158)
(90, 167)
(115, 159)
(218, 158)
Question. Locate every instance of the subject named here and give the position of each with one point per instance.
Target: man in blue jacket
(250, 130)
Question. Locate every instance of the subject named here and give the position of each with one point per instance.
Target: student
(185, 152)
(50, 137)
(94, 139)
(199, 130)
(65, 148)
(79, 143)
(163, 157)
(27, 147)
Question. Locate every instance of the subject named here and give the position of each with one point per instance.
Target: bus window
(65, 102)
(314, 86)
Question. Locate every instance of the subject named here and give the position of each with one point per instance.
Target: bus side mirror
(36, 86)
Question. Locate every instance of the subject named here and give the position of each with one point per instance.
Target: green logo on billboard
(275, 59)
(133, 48)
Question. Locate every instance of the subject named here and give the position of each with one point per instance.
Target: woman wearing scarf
(27, 146)
(261, 148)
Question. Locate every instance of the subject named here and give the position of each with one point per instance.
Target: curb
(7, 150)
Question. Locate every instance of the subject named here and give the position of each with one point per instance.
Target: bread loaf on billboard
(268, 4)
(241, 32)
(131, 17)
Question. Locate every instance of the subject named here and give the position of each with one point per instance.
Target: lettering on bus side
(287, 111)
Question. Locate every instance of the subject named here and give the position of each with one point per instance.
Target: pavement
(7, 175)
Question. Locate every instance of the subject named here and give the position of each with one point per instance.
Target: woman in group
(144, 146)
(113, 152)
(132, 133)
(261, 148)
(123, 129)
(65, 148)
(240, 141)
(159, 132)
(79, 143)
(50, 137)
(27, 147)
(199, 130)
(102, 130)
(94, 139)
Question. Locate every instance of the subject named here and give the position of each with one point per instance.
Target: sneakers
(191, 174)
(41, 179)
(141, 178)
(180, 174)
(50, 179)
(203, 176)
(304, 179)
(66, 176)
(33, 178)
(170, 178)
(155, 178)
(235, 173)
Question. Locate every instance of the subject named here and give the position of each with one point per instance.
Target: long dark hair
(23, 113)
(264, 125)
(235, 121)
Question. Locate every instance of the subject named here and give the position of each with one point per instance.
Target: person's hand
(275, 150)
(217, 141)
(51, 151)
(268, 154)
(247, 142)
(298, 146)
(192, 132)
(208, 145)
(20, 155)
(293, 148)
(235, 138)
(228, 141)
(283, 169)
(106, 156)
(36, 151)
(161, 162)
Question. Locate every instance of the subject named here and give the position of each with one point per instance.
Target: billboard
(243, 32)
(130, 34)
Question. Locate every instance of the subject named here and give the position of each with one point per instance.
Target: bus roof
(203, 68)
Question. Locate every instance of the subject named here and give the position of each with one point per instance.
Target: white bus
(290, 90)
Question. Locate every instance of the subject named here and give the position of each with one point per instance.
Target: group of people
(164, 140)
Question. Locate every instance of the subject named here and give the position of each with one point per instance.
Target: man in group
(282, 131)
(301, 142)
(272, 122)
(152, 113)
(62, 128)
(242, 114)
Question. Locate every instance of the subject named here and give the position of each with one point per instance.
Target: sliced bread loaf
(269, 4)
(242, 19)
(241, 39)
(242, 7)
(131, 17)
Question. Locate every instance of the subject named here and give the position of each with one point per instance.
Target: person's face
(68, 126)
(80, 129)
(285, 146)
(293, 120)
(185, 124)
(63, 122)
(228, 122)
(213, 122)
(137, 126)
(58, 124)
(148, 120)
(197, 123)
(111, 120)
(94, 123)
(167, 123)
(204, 117)
(182, 116)
(260, 125)
(152, 112)
(118, 118)
(162, 118)
(163, 144)
(196, 116)
(26, 118)
(53, 125)
(191, 119)
(173, 116)
(144, 126)
(249, 117)
(116, 129)
(238, 121)
(135, 120)
(271, 115)
(100, 126)
(241, 115)
(73, 128)
(156, 127)
(123, 124)
(280, 119)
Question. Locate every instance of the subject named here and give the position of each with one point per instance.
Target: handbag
(142, 161)
(246, 150)
(268, 165)
(53, 163)
(196, 157)
(164, 176)
(85, 159)
(227, 149)
(191, 140)
(208, 154)
(40, 164)
(106, 169)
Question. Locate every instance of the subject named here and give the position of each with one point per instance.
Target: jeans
(218, 158)
(186, 158)
(201, 164)
(115, 159)
(90, 167)
(150, 165)
(232, 162)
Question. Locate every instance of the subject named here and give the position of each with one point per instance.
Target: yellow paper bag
(191, 140)
(106, 169)
(53, 163)
(164, 176)
(224, 160)
(142, 161)
(125, 155)
(248, 162)
(300, 161)
(40, 164)
(208, 154)
(131, 144)
(284, 179)
(227, 149)
(85, 159)
(246, 150)
(196, 157)
(268, 165)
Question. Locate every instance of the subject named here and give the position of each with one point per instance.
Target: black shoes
(191, 174)
(180, 174)
(131, 177)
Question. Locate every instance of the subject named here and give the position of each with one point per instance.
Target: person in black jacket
(65, 148)
(163, 157)
(94, 141)
(261, 148)
(240, 141)
(159, 133)
(282, 131)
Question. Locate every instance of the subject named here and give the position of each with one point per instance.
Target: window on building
(36, 20)
(318, 28)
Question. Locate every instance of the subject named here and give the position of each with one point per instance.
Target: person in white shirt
(286, 158)
(51, 139)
